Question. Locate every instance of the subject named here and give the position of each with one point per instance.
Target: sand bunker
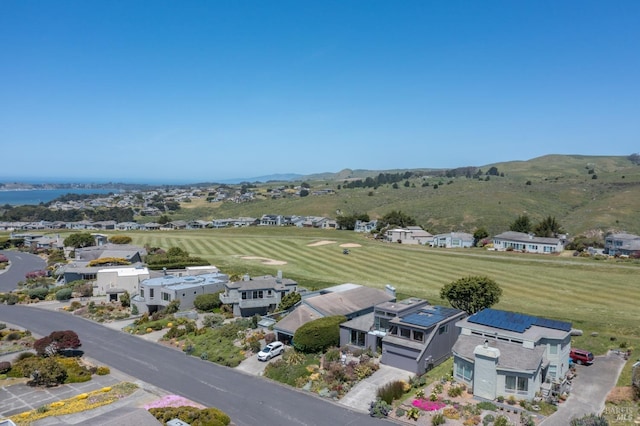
(264, 260)
(321, 243)
(350, 245)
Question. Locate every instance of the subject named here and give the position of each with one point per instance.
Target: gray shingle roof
(513, 356)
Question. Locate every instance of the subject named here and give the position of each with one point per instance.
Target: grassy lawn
(596, 296)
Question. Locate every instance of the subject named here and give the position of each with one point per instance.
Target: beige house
(115, 281)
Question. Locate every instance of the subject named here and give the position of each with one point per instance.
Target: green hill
(584, 193)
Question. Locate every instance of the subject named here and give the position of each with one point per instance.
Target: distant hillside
(584, 193)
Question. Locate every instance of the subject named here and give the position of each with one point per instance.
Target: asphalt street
(247, 399)
(21, 263)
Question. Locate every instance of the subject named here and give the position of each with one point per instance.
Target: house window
(464, 370)
(151, 293)
(382, 324)
(258, 294)
(142, 292)
(405, 332)
(516, 384)
(443, 329)
(393, 330)
(244, 295)
(553, 349)
(166, 296)
(553, 371)
(357, 338)
(418, 336)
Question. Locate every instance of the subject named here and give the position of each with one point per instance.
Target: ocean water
(37, 196)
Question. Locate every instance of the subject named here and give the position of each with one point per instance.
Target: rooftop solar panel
(513, 321)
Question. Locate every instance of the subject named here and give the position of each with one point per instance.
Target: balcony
(258, 303)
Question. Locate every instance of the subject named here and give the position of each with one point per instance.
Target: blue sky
(193, 91)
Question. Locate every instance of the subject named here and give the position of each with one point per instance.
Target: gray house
(453, 240)
(500, 353)
(156, 293)
(258, 295)
(622, 244)
(350, 300)
(410, 334)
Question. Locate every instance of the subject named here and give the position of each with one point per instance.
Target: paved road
(21, 263)
(247, 399)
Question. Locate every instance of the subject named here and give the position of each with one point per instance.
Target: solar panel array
(513, 321)
(427, 317)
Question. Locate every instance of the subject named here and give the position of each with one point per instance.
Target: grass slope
(560, 186)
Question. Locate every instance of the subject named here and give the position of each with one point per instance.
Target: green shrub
(379, 408)
(318, 335)
(207, 302)
(11, 299)
(289, 300)
(438, 419)
(590, 420)
(3, 326)
(489, 418)
(64, 294)
(486, 405)
(125, 299)
(191, 415)
(400, 412)
(14, 335)
(23, 355)
(5, 366)
(39, 293)
(103, 370)
(391, 391)
(212, 320)
(501, 421)
(172, 307)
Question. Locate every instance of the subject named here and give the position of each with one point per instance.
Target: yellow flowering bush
(77, 404)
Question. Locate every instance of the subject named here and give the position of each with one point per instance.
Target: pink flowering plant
(172, 401)
(425, 405)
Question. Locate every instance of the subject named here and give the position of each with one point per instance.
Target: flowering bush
(428, 405)
(172, 401)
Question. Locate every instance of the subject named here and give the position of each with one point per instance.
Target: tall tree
(396, 218)
(521, 224)
(479, 235)
(472, 294)
(79, 239)
(548, 227)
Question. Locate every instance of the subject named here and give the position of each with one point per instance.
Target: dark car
(71, 353)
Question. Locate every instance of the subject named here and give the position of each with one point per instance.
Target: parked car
(580, 356)
(271, 350)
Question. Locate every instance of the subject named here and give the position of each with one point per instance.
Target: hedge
(318, 335)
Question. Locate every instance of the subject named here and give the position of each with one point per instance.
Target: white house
(500, 353)
(116, 281)
(520, 241)
(409, 235)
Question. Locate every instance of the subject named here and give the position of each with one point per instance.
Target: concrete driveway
(589, 389)
(254, 367)
(365, 391)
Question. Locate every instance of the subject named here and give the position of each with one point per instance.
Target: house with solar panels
(501, 353)
(410, 334)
